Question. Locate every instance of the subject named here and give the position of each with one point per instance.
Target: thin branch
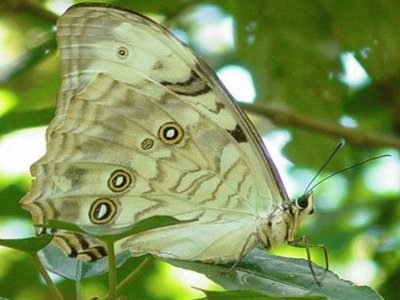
(135, 273)
(56, 292)
(31, 7)
(112, 271)
(281, 117)
(353, 136)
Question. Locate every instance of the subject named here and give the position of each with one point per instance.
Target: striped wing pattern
(144, 128)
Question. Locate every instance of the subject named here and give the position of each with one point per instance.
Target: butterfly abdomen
(79, 246)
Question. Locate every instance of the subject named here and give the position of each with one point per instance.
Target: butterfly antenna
(348, 168)
(321, 169)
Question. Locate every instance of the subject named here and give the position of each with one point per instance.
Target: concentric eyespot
(122, 52)
(170, 133)
(119, 181)
(147, 144)
(102, 211)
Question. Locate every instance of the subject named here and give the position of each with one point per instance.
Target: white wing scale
(142, 128)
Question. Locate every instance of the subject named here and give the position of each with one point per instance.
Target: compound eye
(306, 203)
(302, 202)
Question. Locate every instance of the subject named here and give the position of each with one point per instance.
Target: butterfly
(143, 127)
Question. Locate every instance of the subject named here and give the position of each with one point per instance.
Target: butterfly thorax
(281, 225)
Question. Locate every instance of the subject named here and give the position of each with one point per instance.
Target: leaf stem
(56, 292)
(78, 290)
(136, 272)
(112, 271)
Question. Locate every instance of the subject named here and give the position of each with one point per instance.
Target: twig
(135, 273)
(281, 117)
(28, 6)
(112, 271)
(46, 277)
(353, 136)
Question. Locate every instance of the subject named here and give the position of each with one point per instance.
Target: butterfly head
(294, 213)
(281, 225)
(305, 204)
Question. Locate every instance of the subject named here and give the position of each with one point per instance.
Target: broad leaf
(31, 244)
(277, 276)
(247, 295)
(25, 119)
(57, 262)
(105, 233)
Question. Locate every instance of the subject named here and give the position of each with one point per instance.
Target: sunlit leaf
(277, 276)
(32, 244)
(57, 262)
(18, 120)
(248, 295)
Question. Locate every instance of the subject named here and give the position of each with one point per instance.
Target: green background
(294, 52)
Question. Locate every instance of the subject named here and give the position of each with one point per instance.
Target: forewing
(144, 128)
(91, 40)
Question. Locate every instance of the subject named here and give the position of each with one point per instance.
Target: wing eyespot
(119, 181)
(102, 211)
(147, 144)
(170, 133)
(122, 52)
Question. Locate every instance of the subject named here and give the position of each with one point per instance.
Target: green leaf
(32, 244)
(143, 225)
(277, 276)
(57, 262)
(246, 295)
(57, 224)
(25, 119)
(110, 234)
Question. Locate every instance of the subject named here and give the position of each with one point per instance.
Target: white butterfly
(143, 127)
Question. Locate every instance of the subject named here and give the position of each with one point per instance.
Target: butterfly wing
(144, 128)
(94, 36)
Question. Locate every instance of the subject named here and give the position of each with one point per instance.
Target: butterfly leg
(303, 243)
(243, 252)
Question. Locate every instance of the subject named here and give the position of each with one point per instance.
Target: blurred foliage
(294, 51)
